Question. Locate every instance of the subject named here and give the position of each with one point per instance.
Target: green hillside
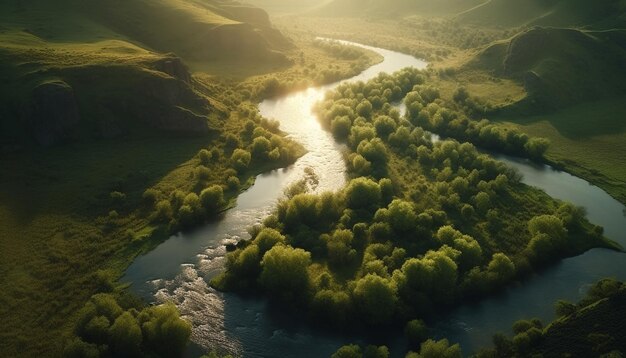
(593, 327)
(382, 8)
(288, 6)
(74, 69)
(562, 13)
(559, 67)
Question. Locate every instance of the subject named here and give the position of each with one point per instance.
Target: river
(179, 269)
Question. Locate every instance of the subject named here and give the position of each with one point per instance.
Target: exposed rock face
(53, 113)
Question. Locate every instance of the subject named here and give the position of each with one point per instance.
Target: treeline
(113, 325)
(427, 349)
(219, 172)
(338, 49)
(426, 111)
(354, 103)
(419, 227)
(593, 327)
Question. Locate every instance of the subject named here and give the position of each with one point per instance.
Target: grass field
(588, 140)
(64, 232)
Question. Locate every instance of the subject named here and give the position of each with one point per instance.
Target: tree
(241, 159)
(471, 252)
(375, 151)
(339, 248)
(375, 298)
(163, 329)
(402, 217)
(363, 193)
(376, 352)
(416, 332)
(260, 147)
(501, 268)
(537, 147)
(341, 127)
(268, 238)
(204, 156)
(285, 273)
(384, 125)
(439, 349)
(547, 224)
(350, 351)
(332, 306)
(364, 109)
(126, 335)
(212, 198)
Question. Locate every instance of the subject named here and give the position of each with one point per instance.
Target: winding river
(179, 269)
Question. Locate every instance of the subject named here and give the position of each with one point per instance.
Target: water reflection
(179, 269)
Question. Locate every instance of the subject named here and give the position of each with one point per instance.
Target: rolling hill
(559, 13)
(389, 8)
(559, 67)
(91, 69)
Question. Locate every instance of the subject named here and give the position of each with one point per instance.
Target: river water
(178, 270)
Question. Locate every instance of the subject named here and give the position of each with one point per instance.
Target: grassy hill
(288, 6)
(593, 327)
(75, 69)
(574, 83)
(559, 67)
(383, 8)
(562, 13)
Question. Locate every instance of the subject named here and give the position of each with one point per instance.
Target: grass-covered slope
(593, 327)
(559, 67)
(54, 92)
(195, 29)
(84, 69)
(383, 8)
(565, 13)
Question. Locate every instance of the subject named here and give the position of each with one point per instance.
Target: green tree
(285, 272)
(501, 268)
(163, 330)
(212, 199)
(375, 298)
(268, 238)
(350, 351)
(241, 159)
(363, 193)
(126, 335)
(439, 349)
(402, 216)
(416, 332)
